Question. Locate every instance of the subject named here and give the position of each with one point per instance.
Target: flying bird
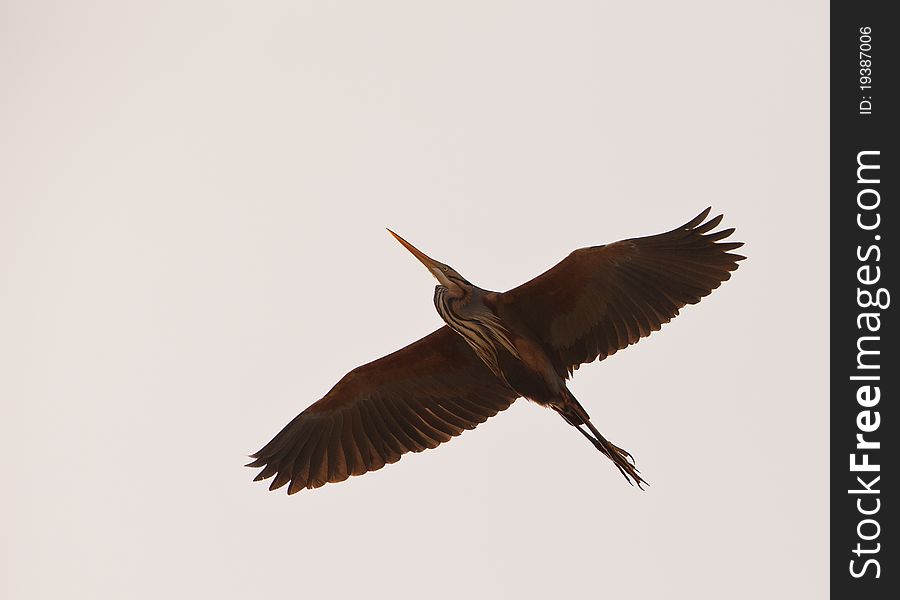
(497, 347)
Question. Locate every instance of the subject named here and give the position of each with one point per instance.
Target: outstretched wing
(601, 299)
(416, 398)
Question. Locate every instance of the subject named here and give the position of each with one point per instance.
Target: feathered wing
(416, 398)
(601, 299)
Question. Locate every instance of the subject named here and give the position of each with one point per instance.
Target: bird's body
(497, 347)
(504, 344)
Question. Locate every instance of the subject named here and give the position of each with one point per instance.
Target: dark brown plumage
(497, 347)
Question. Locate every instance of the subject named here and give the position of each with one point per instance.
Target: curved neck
(468, 316)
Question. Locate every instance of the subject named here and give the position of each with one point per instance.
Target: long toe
(626, 467)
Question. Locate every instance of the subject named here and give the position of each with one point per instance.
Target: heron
(497, 347)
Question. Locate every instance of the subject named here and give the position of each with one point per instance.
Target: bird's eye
(445, 269)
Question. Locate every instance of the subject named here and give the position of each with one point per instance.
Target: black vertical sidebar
(865, 370)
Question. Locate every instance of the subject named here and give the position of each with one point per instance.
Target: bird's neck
(471, 318)
(457, 302)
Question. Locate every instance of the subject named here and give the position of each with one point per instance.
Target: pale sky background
(193, 198)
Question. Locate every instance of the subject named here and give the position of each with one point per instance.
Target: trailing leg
(575, 415)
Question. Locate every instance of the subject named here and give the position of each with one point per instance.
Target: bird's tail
(576, 416)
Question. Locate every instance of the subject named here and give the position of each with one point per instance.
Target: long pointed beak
(429, 262)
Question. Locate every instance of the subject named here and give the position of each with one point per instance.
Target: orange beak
(431, 264)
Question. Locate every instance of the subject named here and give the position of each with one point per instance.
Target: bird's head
(445, 274)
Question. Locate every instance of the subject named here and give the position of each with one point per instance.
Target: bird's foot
(624, 461)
